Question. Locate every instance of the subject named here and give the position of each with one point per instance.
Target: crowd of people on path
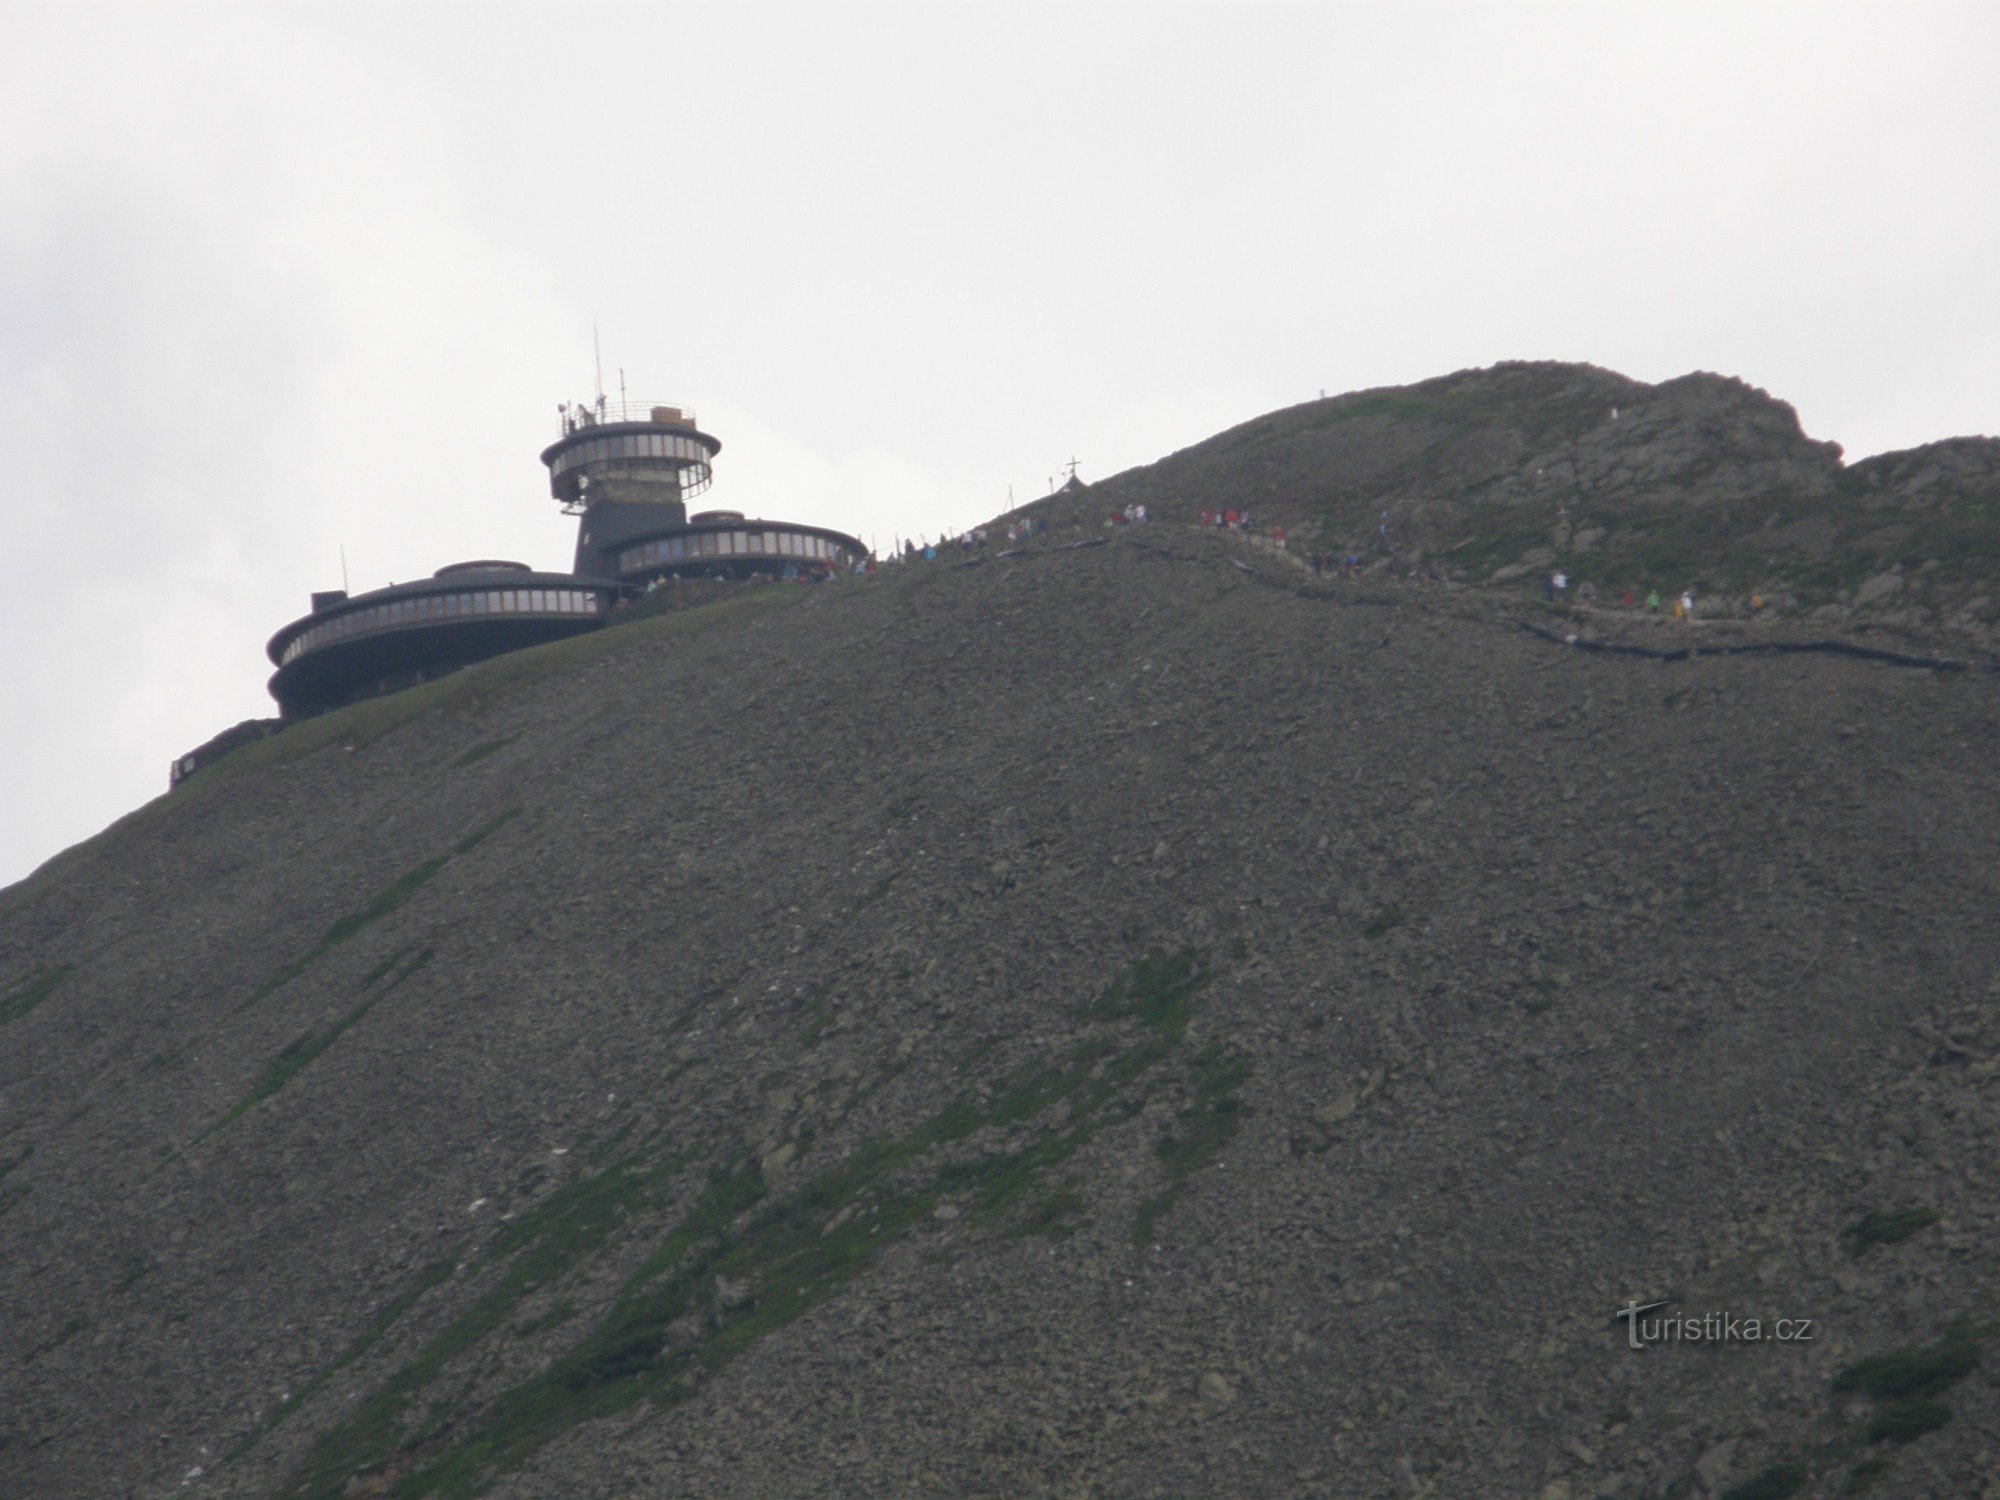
(1239, 521)
(1680, 606)
(917, 549)
(1324, 564)
(1350, 565)
(804, 574)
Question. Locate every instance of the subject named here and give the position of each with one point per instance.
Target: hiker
(1685, 606)
(1756, 606)
(1278, 536)
(1627, 601)
(1653, 601)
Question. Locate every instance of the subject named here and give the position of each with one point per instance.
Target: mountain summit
(1115, 1014)
(1499, 475)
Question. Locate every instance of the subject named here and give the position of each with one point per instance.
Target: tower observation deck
(627, 469)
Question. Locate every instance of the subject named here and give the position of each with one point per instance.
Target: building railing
(576, 416)
(460, 605)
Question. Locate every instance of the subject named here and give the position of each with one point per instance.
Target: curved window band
(705, 544)
(431, 608)
(656, 445)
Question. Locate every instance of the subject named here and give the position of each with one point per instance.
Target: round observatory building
(397, 637)
(626, 472)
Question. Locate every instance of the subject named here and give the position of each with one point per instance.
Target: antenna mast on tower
(597, 350)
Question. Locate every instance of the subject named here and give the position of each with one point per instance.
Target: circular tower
(628, 470)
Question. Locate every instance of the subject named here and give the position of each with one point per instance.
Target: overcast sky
(279, 279)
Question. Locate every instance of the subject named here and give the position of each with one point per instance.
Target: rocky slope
(1500, 476)
(1110, 1020)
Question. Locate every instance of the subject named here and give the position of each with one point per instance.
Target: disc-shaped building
(627, 473)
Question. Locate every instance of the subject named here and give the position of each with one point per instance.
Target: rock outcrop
(1503, 475)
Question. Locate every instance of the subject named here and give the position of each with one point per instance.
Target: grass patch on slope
(1200, 1133)
(1058, 1214)
(70, 1329)
(303, 1052)
(1906, 1373)
(434, 1275)
(388, 900)
(479, 752)
(31, 993)
(1885, 1227)
(1905, 1387)
(1778, 1482)
(747, 1258)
